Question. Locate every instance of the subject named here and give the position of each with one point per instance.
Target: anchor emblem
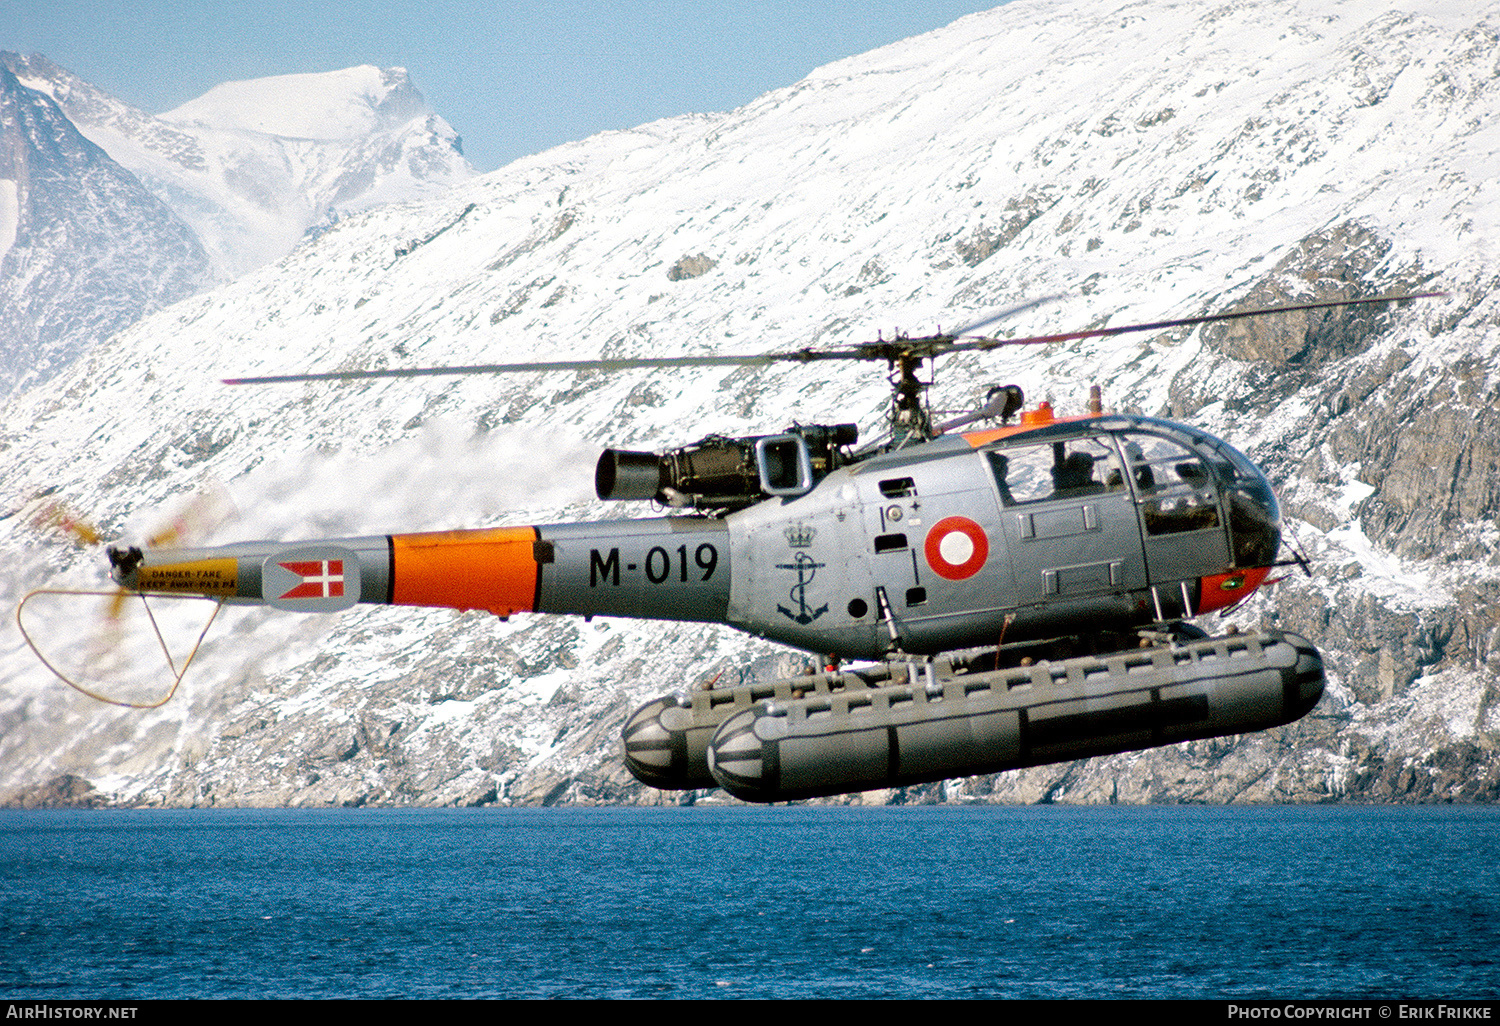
(806, 571)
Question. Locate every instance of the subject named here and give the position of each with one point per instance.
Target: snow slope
(336, 105)
(1142, 159)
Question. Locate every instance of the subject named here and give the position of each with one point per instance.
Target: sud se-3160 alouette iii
(1021, 593)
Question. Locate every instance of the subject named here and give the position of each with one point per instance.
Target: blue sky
(512, 77)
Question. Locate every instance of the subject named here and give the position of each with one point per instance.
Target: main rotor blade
(1182, 322)
(1008, 312)
(886, 349)
(630, 363)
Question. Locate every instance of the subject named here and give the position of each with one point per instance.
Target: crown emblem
(799, 536)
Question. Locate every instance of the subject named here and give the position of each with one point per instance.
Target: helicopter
(1022, 592)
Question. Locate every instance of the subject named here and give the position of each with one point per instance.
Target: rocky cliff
(1155, 159)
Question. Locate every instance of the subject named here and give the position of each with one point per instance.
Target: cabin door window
(1070, 522)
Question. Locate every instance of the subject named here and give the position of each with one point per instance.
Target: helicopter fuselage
(1049, 528)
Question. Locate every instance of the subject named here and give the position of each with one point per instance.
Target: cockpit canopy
(1182, 479)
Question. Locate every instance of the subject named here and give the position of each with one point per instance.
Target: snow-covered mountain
(252, 166)
(85, 249)
(108, 213)
(1144, 159)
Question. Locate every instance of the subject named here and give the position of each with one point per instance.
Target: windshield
(1254, 515)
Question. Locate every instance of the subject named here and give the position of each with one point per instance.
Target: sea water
(784, 902)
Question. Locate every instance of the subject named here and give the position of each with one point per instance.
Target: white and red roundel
(956, 548)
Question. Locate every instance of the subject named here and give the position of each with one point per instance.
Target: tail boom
(674, 568)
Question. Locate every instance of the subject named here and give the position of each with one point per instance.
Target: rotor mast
(911, 421)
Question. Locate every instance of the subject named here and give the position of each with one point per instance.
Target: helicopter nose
(1254, 522)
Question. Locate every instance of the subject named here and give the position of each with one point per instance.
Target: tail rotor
(116, 659)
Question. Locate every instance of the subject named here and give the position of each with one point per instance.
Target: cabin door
(1069, 520)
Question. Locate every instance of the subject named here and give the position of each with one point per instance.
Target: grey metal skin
(1082, 527)
(1164, 506)
(666, 568)
(255, 574)
(949, 725)
(855, 566)
(850, 568)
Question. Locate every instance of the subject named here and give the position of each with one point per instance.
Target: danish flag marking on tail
(322, 578)
(312, 578)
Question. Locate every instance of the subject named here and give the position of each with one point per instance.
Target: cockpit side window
(1254, 516)
(1076, 468)
(1175, 488)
